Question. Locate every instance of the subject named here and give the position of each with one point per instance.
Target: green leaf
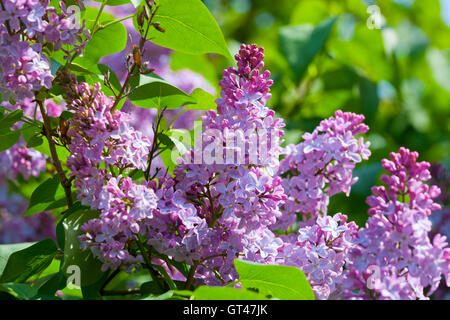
(35, 141)
(115, 2)
(28, 131)
(165, 140)
(282, 282)
(136, 3)
(439, 62)
(369, 98)
(166, 276)
(225, 293)
(60, 234)
(165, 296)
(197, 63)
(204, 101)
(92, 291)
(9, 139)
(29, 261)
(104, 42)
(189, 27)
(151, 287)
(157, 93)
(7, 249)
(11, 118)
(73, 255)
(53, 282)
(19, 290)
(166, 157)
(364, 53)
(301, 43)
(46, 196)
(113, 79)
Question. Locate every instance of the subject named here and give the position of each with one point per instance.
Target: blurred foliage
(326, 55)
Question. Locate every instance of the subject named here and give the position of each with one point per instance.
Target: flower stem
(153, 273)
(95, 25)
(66, 183)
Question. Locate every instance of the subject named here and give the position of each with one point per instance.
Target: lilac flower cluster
(393, 257)
(29, 26)
(441, 218)
(20, 159)
(100, 139)
(208, 215)
(229, 207)
(237, 201)
(320, 251)
(321, 166)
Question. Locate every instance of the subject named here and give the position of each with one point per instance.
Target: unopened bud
(141, 18)
(146, 13)
(136, 56)
(158, 27)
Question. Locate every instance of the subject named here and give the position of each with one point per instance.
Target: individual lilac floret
(393, 257)
(322, 166)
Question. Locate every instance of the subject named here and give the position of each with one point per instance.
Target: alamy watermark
(74, 279)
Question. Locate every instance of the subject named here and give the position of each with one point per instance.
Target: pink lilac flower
(99, 139)
(237, 201)
(320, 251)
(441, 218)
(321, 166)
(19, 159)
(395, 242)
(24, 68)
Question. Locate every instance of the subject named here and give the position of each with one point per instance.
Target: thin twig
(193, 269)
(155, 143)
(66, 184)
(152, 271)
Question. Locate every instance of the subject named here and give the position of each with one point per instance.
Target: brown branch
(192, 270)
(66, 184)
(155, 143)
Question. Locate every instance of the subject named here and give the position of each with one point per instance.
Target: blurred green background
(387, 59)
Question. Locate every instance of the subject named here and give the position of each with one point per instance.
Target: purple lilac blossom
(100, 140)
(24, 68)
(236, 201)
(393, 257)
(321, 166)
(441, 218)
(320, 251)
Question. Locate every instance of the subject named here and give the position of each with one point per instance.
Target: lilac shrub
(237, 193)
